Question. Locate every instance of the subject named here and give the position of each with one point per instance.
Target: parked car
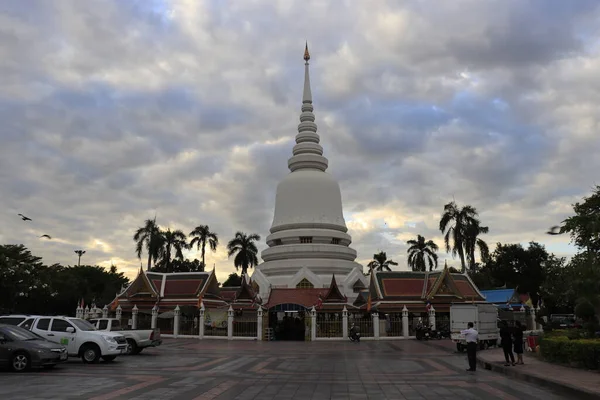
(137, 339)
(17, 319)
(80, 338)
(21, 349)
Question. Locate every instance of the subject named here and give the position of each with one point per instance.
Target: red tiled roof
(182, 287)
(466, 289)
(402, 287)
(303, 297)
(229, 293)
(157, 284)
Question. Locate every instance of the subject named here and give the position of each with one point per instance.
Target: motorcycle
(354, 335)
(423, 333)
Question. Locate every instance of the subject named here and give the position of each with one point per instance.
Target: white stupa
(309, 240)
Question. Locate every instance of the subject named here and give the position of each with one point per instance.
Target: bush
(584, 353)
(585, 310)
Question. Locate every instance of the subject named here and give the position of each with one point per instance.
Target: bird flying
(46, 236)
(24, 218)
(555, 230)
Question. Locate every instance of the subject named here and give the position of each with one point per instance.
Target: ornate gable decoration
(334, 295)
(211, 288)
(444, 286)
(245, 292)
(141, 285)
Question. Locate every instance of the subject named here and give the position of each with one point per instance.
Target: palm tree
(245, 251)
(172, 240)
(457, 224)
(472, 242)
(148, 236)
(201, 235)
(421, 253)
(380, 262)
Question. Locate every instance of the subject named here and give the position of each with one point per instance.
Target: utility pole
(79, 254)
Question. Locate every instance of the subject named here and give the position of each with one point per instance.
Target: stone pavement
(579, 383)
(210, 369)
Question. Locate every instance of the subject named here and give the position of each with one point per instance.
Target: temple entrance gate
(289, 322)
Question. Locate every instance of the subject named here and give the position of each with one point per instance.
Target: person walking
(507, 344)
(471, 336)
(518, 347)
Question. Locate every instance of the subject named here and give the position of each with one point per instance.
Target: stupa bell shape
(309, 238)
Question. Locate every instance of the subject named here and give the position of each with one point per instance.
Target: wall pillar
(201, 321)
(375, 317)
(345, 322)
(230, 323)
(86, 312)
(313, 324)
(79, 312)
(134, 317)
(119, 313)
(177, 316)
(153, 323)
(105, 312)
(432, 318)
(405, 322)
(259, 323)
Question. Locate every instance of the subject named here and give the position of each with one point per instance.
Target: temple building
(309, 240)
(308, 266)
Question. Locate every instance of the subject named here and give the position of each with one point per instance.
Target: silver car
(21, 350)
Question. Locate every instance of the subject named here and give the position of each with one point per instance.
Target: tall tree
(232, 280)
(380, 262)
(421, 254)
(172, 240)
(584, 226)
(472, 242)
(457, 225)
(148, 237)
(244, 248)
(519, 268)
(202, 235)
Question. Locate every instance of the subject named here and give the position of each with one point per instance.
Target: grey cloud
(116, 112)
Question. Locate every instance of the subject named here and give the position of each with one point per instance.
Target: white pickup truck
(80, 338)
(137, 339)
(484, 317)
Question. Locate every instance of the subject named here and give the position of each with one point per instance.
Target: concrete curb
(514, 372)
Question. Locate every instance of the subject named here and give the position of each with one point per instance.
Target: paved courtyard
(193, 369)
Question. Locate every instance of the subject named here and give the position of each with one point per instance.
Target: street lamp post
(79, 254)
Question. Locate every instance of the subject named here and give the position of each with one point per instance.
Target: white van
(80, 338)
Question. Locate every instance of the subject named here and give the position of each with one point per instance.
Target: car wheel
(90, 354)
(131, 347)
(20, 362)
(109, 358)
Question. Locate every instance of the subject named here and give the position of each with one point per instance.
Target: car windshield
(82, 324)
(18, 334)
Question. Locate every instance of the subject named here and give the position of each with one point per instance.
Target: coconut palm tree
(149, 237)
(380, 262)
(172, 240)
(201, 235)
(455, 224)
(472, 242)
(421, 253)
(244, 249)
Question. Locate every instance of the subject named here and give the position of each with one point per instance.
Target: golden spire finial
(306, 53)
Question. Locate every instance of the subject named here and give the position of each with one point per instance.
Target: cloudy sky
(114, 111)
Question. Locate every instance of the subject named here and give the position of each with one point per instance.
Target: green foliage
(583, 353)
(233, 280)
(178, 265)
(584, 226)
(585, 310)
(28, 286)
(520, 268)
(380, 262)
(422, 253)
(461, 228)
(243, 246)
